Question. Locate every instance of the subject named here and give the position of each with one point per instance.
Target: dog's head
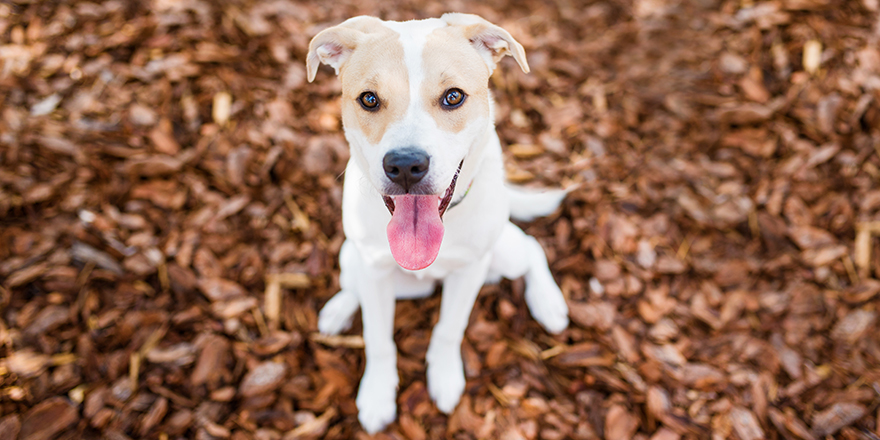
(415, 106)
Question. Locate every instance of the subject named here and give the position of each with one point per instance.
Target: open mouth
(415, 231)
(444, 201)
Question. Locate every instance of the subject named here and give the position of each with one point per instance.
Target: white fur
(526, 205)
(479, 244)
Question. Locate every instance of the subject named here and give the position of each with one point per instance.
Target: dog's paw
(374, 417)
(377, 398)
(446, 380)
(547, 306)
(336, 316)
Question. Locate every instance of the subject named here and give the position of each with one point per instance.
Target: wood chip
(262, 378)
(290, 280)
(745, 424)
(47, 419)
(836, 417)
(10, 427)
(222, 107)
(218, 289)
(853, 326)
(620, 424)
(211, 362)
(27, 363)
(812, 56)
(338, 341)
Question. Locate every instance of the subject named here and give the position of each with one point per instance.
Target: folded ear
(334, 45)
(491, 41)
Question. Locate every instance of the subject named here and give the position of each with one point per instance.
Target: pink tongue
(415, 231)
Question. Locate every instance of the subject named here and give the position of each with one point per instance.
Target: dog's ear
(491, 41)
(334, 45)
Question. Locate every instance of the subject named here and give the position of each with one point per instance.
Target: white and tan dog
(425, 198)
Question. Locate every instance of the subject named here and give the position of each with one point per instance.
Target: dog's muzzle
(444, 202)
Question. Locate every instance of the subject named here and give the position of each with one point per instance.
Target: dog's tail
(526, 205)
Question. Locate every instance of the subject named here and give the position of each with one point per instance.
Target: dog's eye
(453, 98)
(369, 101)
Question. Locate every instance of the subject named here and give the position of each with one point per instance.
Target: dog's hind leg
(336, 315)
(517, 254)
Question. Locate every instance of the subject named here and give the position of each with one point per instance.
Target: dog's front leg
(376, 399)
(445, 370)
(337, 314)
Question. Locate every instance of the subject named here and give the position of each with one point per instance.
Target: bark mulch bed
(170, 206)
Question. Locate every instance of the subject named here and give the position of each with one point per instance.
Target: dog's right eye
(452, 99)
(369, 101)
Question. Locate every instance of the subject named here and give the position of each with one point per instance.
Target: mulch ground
(170, 192)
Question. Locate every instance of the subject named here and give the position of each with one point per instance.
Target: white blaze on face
(415, 128)
(413, 35)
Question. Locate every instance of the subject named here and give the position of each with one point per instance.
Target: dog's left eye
(453, 98)
(369, 101)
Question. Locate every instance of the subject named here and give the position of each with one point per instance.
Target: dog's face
(415, 104)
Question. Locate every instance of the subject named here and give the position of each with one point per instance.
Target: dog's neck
(473, 162)
(461, 198)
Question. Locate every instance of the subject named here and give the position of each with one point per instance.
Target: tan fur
(377, 66)
(493, 37)
(333, 45)
(450, 62)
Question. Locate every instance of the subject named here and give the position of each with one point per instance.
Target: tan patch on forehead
(449, 61)
(377, 65)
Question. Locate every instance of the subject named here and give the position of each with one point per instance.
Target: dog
(424, 197)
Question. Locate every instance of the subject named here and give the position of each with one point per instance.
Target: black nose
(406, 166)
